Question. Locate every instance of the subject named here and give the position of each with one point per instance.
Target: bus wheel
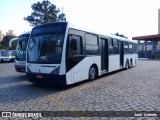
(127, 65)
(93, 72)
(131, 64)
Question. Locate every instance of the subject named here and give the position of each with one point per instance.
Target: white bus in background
(20, 58)
(63, 54)
(5, 56)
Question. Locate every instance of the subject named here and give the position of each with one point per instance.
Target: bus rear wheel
(131, 64)
(127, 65)
(93, 72)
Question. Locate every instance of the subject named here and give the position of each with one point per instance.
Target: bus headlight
(55, 71)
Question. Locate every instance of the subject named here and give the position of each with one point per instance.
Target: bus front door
(74, 57)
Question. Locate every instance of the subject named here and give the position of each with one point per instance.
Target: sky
(128, 17)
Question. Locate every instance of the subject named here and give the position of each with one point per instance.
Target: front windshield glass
(5, 53)
(21, 47)
(45, 48)
(13, 53)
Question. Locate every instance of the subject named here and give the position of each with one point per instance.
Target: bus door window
(74, 51)
(75, 46)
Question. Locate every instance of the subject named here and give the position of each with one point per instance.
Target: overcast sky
(128, 17)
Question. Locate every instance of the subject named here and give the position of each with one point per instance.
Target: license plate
(39, 76)
(6, 59)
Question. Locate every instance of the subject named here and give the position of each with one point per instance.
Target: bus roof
(28, 32)
(70, 25)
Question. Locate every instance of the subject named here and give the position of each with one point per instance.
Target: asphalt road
(136, 89)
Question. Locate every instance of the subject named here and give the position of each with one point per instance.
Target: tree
(120, 35)
(61, 17)
(3, 47)
(44, 12)
(6, 39)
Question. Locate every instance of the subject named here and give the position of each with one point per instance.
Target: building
(10, 32)
(1, 35)
(149, 45)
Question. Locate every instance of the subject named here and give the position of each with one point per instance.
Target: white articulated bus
(20, 58)
(63, 54)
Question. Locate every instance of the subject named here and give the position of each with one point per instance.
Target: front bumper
(47, 79)
(20, 68)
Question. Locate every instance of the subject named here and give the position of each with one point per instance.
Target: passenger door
(104, 54)
(74, 56)
(121, 51)
(74, 51)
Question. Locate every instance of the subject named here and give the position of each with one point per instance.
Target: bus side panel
(63, 61)
(20, 66)
(81, 70)
(69, 77)
(130, 57)
(114, 62)
(97, 61)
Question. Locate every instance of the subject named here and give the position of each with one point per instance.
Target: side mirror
(74, 44)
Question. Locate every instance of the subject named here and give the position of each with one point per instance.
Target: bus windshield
(45, 43)
(21, 47)
(46, 48)
(5, 53)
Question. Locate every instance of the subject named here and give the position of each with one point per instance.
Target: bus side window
(110, 43)
(126, 47)
(116, 46)
(92, 44)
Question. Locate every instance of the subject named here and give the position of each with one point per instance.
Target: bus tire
(127, 65)
(131, 63)
(93, 73)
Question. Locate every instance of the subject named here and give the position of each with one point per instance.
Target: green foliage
(44, 12)
(61, 17)
(5, 42)
(120, 35)
(3, 47)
